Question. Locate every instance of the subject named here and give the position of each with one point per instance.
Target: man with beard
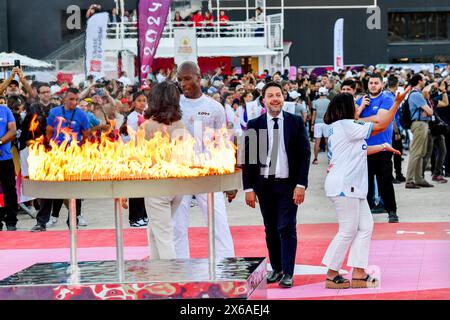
(200, 112)
(37, 115)
(278, 179)
(380, 164)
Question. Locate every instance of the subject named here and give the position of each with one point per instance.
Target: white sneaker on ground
(53, 221)
(194, 203)
(138, 224)
(81, 221)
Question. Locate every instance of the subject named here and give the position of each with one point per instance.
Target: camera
(17, 63)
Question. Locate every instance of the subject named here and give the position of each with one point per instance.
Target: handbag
(438, 126)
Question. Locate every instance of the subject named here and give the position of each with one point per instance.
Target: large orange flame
(107, 159)
(34, 124)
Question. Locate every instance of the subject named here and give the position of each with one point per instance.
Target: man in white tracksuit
(199, 113)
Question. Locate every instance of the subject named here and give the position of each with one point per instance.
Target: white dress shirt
(282, 168)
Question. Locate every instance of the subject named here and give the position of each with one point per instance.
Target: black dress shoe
(274, 276)
(393, 218)
(38, 228)
(287, 281)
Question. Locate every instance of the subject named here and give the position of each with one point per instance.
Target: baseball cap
(14, 82)
(323, 91)
(239, 87)
(260, 85)
(294, 94)
(217, 83)
(62, 91)
(145, 86)
(212, 90)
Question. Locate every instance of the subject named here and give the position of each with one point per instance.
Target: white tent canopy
(7, 60)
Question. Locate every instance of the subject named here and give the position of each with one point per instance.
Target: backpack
(405, 117)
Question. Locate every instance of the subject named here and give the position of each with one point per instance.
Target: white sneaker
(53, 221)
(81, 221)
(194, 203)
(138, 224)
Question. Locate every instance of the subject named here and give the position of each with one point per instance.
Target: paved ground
(411, 258)
(422, 205)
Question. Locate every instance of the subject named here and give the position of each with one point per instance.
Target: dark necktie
(275, 145)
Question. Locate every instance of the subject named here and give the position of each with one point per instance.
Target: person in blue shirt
(380, 164)
(61, 117)
(8, 130)
(68, 116)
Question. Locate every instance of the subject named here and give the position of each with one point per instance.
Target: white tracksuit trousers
(224, 241)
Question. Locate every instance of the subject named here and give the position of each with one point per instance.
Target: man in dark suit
(278, 179)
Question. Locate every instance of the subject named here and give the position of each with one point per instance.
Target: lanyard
(64, 114)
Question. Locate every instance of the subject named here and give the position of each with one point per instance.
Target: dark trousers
(8, 182)
(447, 156)
(52, 207)
(280, 221)
(380, 165)
(137, 209)
(397, 144)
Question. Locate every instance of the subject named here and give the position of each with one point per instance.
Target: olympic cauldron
(110, 168)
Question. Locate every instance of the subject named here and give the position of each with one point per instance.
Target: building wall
(39, 31)
(311, 32)
(3, 26)
(430, 49)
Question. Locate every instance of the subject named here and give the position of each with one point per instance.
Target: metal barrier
(215, 29)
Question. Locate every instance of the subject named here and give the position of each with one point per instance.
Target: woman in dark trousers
(138, 215)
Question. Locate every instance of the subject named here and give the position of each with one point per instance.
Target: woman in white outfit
(347, 184)
(163, 115)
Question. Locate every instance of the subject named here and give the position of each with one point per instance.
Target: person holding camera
(93, 9)
(438, 130)
(12, 86)
(444, 112)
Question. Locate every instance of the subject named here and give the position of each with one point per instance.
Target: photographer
(93, 9)
(12, 86)
(437, 97)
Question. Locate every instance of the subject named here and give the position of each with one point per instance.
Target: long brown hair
(164, 104)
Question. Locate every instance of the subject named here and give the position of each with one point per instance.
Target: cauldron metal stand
(140, 189)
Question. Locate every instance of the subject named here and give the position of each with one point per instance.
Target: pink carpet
(410, 265)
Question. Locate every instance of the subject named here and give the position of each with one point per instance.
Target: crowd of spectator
(122, 102)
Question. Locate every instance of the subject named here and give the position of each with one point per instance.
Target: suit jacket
(297, 149)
